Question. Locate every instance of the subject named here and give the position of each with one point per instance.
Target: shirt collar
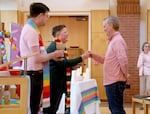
(111, 37)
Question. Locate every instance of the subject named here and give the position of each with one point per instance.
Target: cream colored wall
(80, 5)
(8, 17)
(143, 22)
(113, 7)
(145, 5)
(148, 4)
(68, 5)
(99, 45)
(8, 5)
(148, 20)
(148, 24)
(54, 5)
(97, 36)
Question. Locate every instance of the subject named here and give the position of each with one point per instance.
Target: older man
(115, 65)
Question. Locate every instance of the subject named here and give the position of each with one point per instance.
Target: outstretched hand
(85, 55)
(97, 58)
(91, 54)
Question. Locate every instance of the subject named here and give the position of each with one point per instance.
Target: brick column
(128, 12)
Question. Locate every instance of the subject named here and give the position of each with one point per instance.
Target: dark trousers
(55, 98)
(36, 78)
(114, 94)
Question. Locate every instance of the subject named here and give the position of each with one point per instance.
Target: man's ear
(57, 34)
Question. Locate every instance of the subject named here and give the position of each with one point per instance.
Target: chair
(137, 99)
(23, 106)
(146, 103)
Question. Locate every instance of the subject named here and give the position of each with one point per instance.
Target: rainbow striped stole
(68, 74)
(46, 72)
(88, 96)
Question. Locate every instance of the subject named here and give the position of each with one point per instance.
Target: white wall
(79, 5)
(113, 7)
(148, 4)
(143, 21)
(145, 4)
(8, 4)
(68, 5)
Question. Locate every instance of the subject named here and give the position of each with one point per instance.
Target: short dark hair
(144, 45)
(56, 29)
(37, 8)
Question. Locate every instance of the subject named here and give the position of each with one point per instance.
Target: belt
(38, 71)
(32, 71)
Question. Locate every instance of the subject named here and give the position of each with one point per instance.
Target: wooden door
(99, 46)
(78, 31)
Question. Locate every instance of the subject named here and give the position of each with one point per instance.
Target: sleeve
(121, 54)
(140, 59)
(66, 62)
(51, 48)
(73, 62)
(98, 58)
(32, 38)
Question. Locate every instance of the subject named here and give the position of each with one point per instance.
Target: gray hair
(114, 21)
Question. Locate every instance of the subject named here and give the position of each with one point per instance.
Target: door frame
(80, 13)
(73, 13)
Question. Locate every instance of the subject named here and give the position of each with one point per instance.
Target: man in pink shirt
(115, 65)
(31, 42)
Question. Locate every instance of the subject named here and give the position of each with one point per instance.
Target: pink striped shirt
(116, 60)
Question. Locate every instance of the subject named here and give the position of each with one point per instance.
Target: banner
(15, 30)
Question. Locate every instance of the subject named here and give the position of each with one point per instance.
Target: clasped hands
(58, 55)
(92, 55)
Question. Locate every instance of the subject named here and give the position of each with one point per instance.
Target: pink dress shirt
(116, 60)
(29, 38)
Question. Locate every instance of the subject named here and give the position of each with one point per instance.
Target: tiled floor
(128, 108)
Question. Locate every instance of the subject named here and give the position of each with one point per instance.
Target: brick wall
(130, 26)
(130, 29)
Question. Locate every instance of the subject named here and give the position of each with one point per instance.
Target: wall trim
(81, 13)
(73, 13)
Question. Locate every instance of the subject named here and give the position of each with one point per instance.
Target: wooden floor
(128, 108)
